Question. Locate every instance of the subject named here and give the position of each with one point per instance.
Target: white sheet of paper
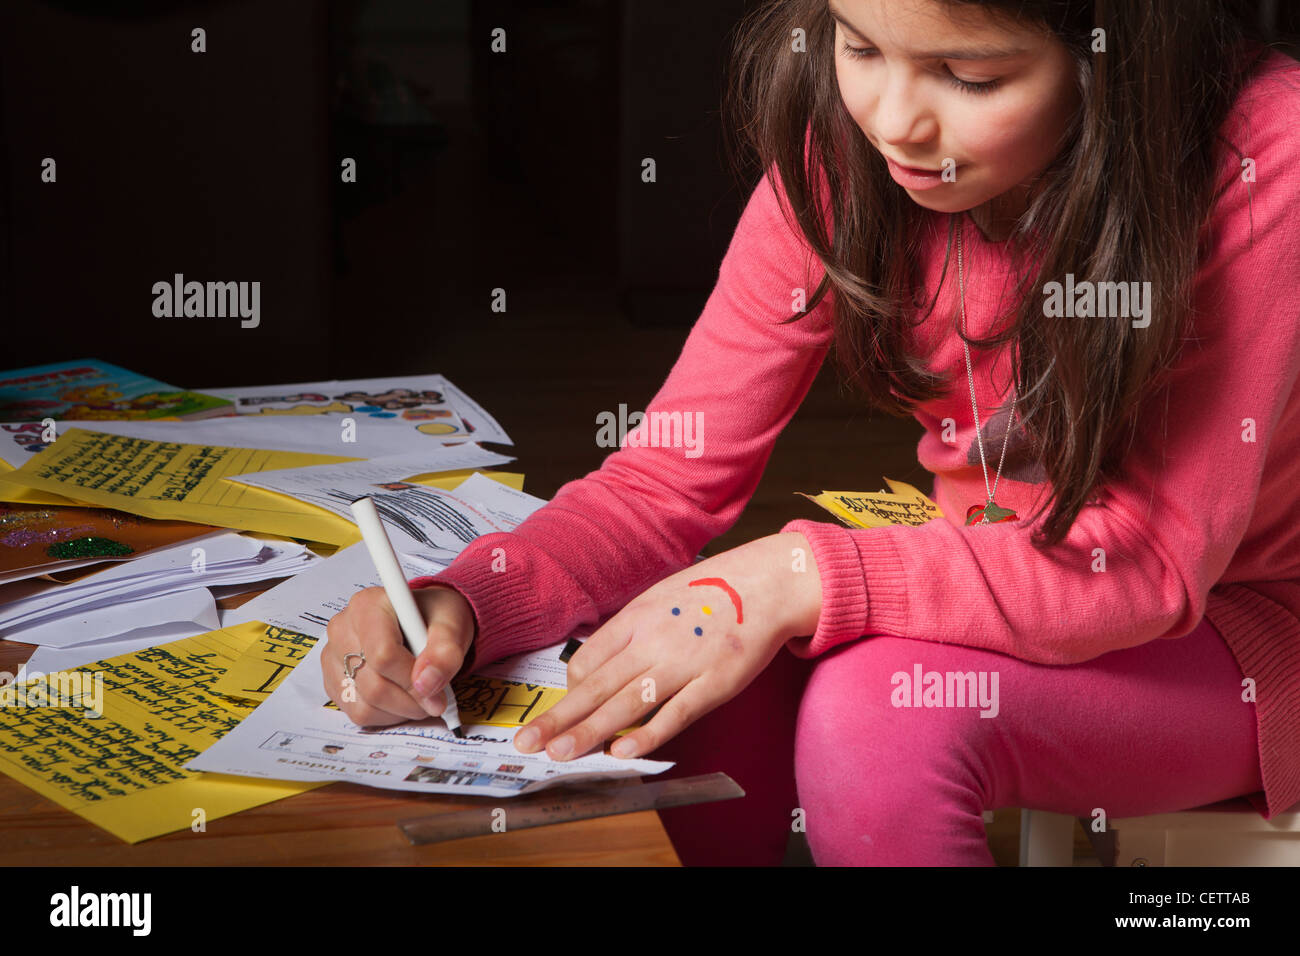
(542, 667)
(293, 736)
(228, 558)
(481, 425)
(22, 574)
(307, 601)
(414, 400)
(48, 659)
(418, 518)
(369, 396)
(507, 505)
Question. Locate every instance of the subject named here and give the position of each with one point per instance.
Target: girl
(1064, 237)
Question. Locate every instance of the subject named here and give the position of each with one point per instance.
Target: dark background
(475, 171)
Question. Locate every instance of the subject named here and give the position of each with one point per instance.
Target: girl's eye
(863, 53)
(856, 52)
(986, 87)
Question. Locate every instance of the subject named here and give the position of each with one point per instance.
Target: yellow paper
(124, 771)
(18, 494)
(502, 703)
(447, 480)
(507, 703)
(181, 481)
(901, 504)
(260, 669)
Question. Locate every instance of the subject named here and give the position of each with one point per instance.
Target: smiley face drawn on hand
(730, 592)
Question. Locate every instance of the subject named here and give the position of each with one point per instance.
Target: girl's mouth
(910, 178)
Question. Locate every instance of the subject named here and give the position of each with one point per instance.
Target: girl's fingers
(609, 639)
(368, 626)
(331, 670)
(380, 636)
(678, 712)
(580, 702)
(437, 664)
(379, 702)
(617, 713)
(388, 656)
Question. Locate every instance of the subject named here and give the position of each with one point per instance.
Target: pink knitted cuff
(850, 607)
(507, 611)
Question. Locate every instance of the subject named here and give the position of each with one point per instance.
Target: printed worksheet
(426, 404)
(296, 735)
(419, 519)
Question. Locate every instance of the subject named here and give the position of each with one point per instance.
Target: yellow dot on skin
(706, 609)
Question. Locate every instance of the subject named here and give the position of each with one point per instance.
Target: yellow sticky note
(261, 668)
(125, 769)
(901, 504)
(171, 480)
(502, 703)
(507, 703)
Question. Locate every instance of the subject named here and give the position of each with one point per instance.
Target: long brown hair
(1127, 196)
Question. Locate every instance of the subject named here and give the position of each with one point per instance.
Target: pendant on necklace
(989, 513)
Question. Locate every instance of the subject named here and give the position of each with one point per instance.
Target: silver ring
(348, 669)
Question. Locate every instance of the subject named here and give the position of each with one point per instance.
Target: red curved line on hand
(731, 593)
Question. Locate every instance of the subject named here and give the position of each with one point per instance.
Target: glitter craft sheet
(39, 539)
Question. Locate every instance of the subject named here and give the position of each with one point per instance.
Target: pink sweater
(1203, 524)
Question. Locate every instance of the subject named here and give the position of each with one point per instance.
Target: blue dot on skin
(677, 610)
(699, 630)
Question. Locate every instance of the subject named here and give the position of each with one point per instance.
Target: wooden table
(341, 824)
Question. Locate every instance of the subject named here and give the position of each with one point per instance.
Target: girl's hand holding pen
(392, 685)
(687, 644)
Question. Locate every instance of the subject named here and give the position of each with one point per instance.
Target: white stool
(1228, 833)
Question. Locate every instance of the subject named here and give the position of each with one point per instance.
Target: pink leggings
(1149, 729)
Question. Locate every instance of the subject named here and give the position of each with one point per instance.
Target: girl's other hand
(685, 645)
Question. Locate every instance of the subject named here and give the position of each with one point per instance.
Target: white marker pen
(399, 595)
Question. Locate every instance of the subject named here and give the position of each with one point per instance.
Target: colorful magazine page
(91, 390)
(420, 401)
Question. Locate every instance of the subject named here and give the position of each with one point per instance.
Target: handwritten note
(264, 664)
(901, 504)
(124, 770)
(160, 479)
(502, 703)
(275, 651)
(185, 482)
(15, 493)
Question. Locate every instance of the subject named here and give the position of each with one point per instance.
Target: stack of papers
(128, 594)
(237, 694)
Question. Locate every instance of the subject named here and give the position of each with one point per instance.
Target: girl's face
(992, 100)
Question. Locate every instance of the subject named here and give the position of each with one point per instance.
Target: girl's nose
(902, 115)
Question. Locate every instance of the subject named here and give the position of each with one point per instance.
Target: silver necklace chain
(961, 282)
